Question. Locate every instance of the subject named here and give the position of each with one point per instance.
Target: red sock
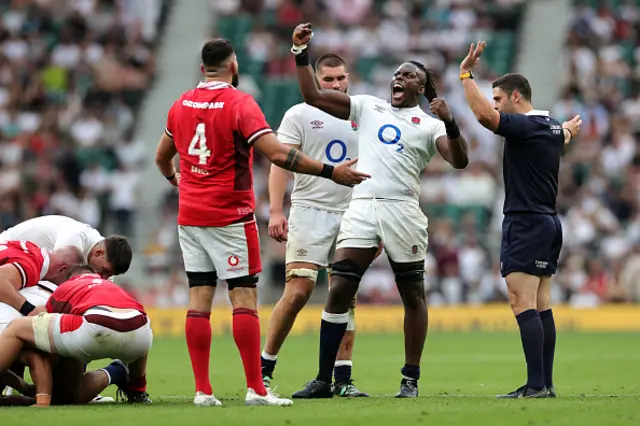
(138, 384)
(198, 332)
(246, 333)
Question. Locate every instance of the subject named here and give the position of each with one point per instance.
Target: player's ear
(233, 67)
(202, 68)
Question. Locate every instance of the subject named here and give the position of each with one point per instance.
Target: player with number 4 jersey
(317, 207)
(396, 141)
(214, 129)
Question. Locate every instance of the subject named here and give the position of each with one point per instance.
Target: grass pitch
(597, 378)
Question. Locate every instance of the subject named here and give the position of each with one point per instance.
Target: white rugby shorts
(98, 334)
(312, 235)
(232, 251)
(399, 225)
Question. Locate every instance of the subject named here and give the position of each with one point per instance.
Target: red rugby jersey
(83, 292)
(31, 261)
(213, 127)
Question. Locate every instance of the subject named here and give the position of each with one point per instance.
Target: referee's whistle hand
(345, 175)
(573, 128)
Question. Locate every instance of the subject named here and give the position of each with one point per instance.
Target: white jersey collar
(538, 112)
(45, 264)
(214, 85)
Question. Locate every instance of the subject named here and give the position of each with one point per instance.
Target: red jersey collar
(214, 85)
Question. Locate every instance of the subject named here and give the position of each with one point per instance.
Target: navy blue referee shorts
(531, 244)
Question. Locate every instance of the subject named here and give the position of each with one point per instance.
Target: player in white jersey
(108, 256)
(396, 141)
(36, 295)
(314, 220)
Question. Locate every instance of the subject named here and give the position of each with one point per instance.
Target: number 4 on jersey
(198, 146)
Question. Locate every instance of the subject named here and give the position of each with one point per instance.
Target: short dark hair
(512, 82)
(119, 253)
(79, 270)
(330, 60)
(215, 52)
(430, 83)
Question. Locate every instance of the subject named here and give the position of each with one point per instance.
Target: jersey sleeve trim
(168, 133)
(255, 135)
(23, 274)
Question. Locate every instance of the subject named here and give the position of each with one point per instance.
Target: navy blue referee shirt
(531, 160)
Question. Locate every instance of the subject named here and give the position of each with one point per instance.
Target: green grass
(597, 377)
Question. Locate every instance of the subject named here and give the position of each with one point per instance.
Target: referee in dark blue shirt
(531, 230)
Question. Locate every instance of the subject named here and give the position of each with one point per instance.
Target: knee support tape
(348, 269)
(302, 273)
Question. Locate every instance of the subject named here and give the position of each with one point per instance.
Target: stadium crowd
(72, 75)
(600, 177)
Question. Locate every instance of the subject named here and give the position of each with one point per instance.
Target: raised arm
(332, 102)
(482, 109)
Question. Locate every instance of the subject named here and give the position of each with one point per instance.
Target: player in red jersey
(87, 319)
(23, 264)
(214, 128)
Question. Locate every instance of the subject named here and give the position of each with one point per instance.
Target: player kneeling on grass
(88, 318)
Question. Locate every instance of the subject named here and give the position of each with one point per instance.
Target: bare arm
(332, 102)
(10, 283)
(165, 153)
(454, 151)
(479, 104)
(278, 179)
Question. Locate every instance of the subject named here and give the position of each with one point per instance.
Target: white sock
(269, 357)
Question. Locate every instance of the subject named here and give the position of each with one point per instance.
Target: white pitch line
(568, 395)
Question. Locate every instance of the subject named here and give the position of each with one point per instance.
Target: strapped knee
(351, 323)
(348, 269)
(248, 281)
(200, 279)
(308, 274)
(412, 274)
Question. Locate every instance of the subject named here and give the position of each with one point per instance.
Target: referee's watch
(465, 75)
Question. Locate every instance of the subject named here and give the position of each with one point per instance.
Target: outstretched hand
(573, 127)
(345, 175)
(473, 56)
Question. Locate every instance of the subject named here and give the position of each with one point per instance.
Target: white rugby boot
(203, 400)
(270, 398)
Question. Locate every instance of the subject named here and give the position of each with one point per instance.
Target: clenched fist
(302, 34)
(440, 108)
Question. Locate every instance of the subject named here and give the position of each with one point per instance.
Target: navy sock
(332, 331)
(532, 336)
(411, 372)
(268, 365)
(549, 348)
(117, 374)
(342, 371)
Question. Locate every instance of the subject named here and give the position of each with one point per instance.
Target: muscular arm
(332, 102)
(278, 179)
(285, 156)
(454, 151)
(10, 283)
(482, 109)
(164, 155)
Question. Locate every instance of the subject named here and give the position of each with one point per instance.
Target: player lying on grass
(396, 141)
(108, 256)
(88, 318)
(531, 228)
(214, 128)
(317, 206)
(70, 384)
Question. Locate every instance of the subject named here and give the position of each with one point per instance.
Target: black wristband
(452, 129)
(26, 308)
(302, 59)
(327, 171)
(171, 177)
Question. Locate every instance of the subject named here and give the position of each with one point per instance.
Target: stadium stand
(72, 76)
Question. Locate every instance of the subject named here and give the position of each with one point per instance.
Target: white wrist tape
(298, 49)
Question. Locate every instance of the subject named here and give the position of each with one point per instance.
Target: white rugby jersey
(53, 232)
(395, 145)
(324, 138)
(37, 295)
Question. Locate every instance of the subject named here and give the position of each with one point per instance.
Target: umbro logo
(316, 124)
(378, 108)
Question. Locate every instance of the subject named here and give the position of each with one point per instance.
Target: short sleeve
(169, 128)
(251, 121)
(437, 131)
(512, 126)
(30, 269)
(355, 108)
(291, 131)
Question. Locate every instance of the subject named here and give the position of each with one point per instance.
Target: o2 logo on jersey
(336, 151)
(391, 135)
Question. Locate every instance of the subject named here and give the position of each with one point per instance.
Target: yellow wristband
(466, 75)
